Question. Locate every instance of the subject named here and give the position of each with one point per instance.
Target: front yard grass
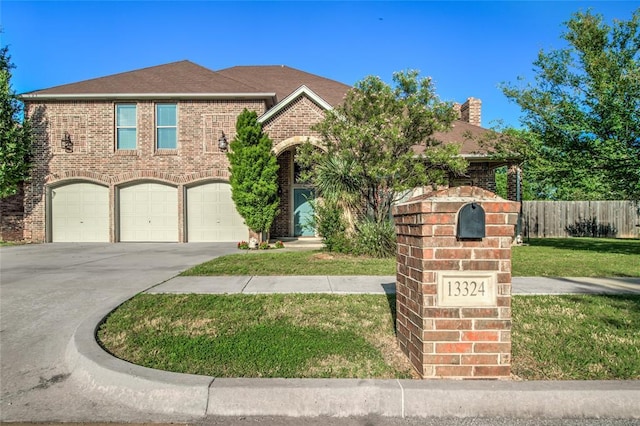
(352, 336)
(552, 257)
(281, 335)
(577, 257)
(294, 263)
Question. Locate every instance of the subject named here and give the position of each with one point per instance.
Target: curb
(145, 389)
(191, 395)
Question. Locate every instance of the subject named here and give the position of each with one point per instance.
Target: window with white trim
(126, 126)
(166, 126)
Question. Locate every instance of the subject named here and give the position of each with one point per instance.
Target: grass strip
(576, 337)
(552, 257)
(352, 336)
(577, 257)
(293, 263)
(280, 335)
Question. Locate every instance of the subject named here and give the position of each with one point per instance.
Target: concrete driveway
(46, 291)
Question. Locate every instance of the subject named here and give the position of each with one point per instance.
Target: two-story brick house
(138, 156)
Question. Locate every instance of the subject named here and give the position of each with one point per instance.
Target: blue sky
(468, 48)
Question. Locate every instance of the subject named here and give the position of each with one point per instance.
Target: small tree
(374, 135)
(16, 139)
(254, 174)
(584, 109)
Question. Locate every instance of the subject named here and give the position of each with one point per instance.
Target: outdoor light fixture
(222, 142)
(67, 144)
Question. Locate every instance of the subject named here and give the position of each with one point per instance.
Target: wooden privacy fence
(549, 219)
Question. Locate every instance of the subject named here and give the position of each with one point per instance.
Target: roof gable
(285, 80)
(301, 91)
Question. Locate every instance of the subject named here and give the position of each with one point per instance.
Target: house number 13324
(466, 288)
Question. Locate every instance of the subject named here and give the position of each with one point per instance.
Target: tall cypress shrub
(254, 174)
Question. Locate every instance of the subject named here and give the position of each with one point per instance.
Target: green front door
(302, 212)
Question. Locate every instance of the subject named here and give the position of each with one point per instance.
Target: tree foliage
(16, 139)
(368, 156)
(254, 173)
(583, 110)
(538, 171)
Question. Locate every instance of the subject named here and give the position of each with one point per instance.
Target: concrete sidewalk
(194, 396)
(377, 285)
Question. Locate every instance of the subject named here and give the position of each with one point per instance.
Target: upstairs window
(126, 131)
(166, 126)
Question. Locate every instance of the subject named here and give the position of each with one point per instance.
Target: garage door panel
(149, 212)
(212, 215)
(80, 213)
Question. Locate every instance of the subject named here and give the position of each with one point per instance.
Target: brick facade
(470, 111)
(463, 341)
(84, 113)
(12, 217)
(91, 127)
(282, 223)
(197, 159)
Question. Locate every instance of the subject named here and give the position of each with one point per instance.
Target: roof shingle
(177, 77)
(284, 80)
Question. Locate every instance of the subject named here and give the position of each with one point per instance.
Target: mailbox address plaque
(467, 289)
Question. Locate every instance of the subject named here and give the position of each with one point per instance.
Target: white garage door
(212, 215)
(80, 213)
(149, 212)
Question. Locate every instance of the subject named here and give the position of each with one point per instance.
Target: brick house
(136, 156)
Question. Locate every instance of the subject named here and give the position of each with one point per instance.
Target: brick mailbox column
(453, 284)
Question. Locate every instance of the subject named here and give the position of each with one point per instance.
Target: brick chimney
(470, 111)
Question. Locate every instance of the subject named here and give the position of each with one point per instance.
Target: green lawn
(576, 337)
(293, 263)
(280, 335)
(577, 257)
(554, 337)
(554, 257)
(352, 336)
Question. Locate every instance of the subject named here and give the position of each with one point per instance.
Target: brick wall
(94, 157)
(12, 217)
(470, 111)
(294, 121)
(289, 128)
(512, 183)
(460, 341)
(480, 174)
(280, 227)
(91, 126)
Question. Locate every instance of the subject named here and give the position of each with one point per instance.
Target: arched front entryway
(296, 214)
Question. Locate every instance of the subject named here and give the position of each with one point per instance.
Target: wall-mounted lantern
(67, 143)
(223, 145)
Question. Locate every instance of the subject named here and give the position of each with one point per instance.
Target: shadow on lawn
(626, 246)
(625, 302)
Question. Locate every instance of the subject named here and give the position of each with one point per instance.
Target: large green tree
(16, 140)
(254, 174)
(369, 144)
(583, 110)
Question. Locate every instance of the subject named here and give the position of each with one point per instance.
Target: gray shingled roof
(185, 77)
(459, 133)
(176, 77)
(285, 80)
